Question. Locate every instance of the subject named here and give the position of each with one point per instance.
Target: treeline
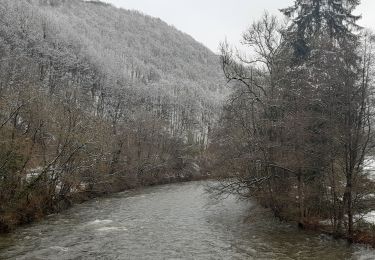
(296, 132)
(94, 99)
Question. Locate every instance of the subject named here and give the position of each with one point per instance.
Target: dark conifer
(311, 18)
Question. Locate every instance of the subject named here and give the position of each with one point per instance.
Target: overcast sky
(211, 21)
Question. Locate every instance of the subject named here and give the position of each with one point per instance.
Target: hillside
(112, 49)
(95, 99)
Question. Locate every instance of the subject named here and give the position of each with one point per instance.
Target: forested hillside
(96, 99)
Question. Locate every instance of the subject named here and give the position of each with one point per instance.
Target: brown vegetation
(90, 108)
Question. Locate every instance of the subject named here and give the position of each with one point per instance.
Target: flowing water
(178, 221)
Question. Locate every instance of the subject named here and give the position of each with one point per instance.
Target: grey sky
(211, 21)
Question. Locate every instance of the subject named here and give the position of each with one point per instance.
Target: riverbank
(175, 221)
(9, 221)
(365, 236)
(313, 228)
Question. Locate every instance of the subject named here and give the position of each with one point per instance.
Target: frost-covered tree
(312, 18)
(94, 98)
(294, 135)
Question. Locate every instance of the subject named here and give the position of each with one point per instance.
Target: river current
(177, 221)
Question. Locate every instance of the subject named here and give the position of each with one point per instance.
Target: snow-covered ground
(370, 217)
(369, 167)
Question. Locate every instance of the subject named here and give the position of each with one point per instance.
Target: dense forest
(297, 131)
(96, 99)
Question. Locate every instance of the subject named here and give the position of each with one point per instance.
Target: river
(178, 221)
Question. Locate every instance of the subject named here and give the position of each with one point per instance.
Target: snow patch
(369, 167)
(370, 217)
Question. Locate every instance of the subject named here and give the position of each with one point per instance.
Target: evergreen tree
(322, 36)
(311, 18)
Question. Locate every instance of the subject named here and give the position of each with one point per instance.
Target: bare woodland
(93, 100)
